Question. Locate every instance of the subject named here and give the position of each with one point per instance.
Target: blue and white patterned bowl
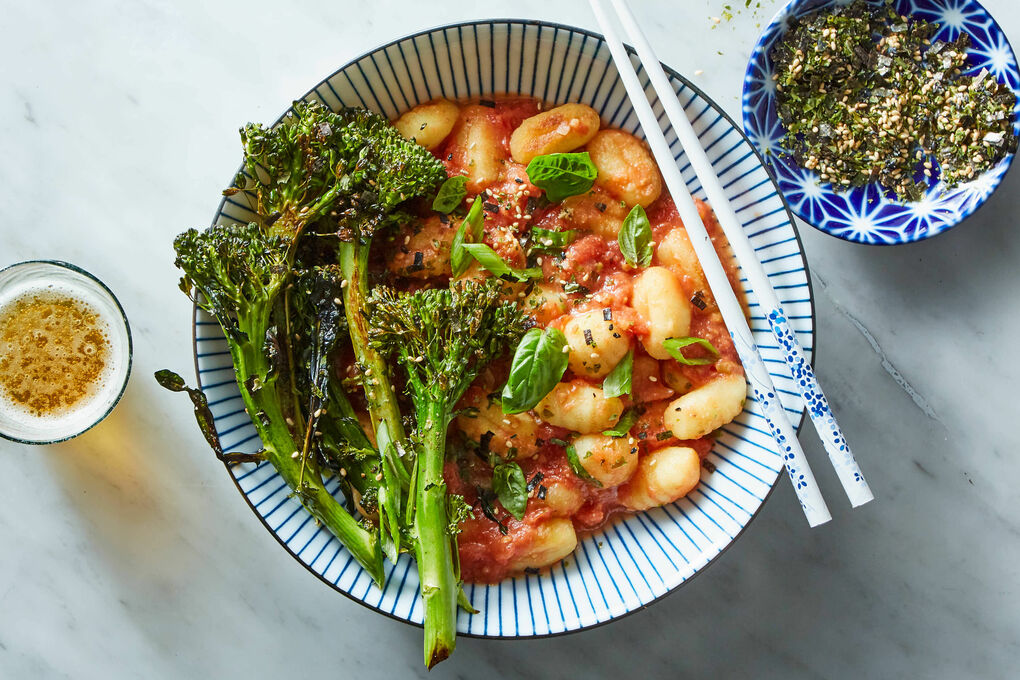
(866, 214)
(639, 558)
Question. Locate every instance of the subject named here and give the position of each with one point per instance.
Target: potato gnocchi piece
(626, 168)
(424, 252)
(706, 408)
(660, 302)
(502, 433)
(563, 499)
(580, 407)
(559, 130)
(430, 123)
(610, 460)
(596, 343)
(477, 147)
(545, 302)
(674, 250)
(662, 477)
(552, 540)
(597, 212)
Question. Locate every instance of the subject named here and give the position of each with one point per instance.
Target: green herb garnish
(562, 175)
(537, 367)
(675, 346)
(450, 194)
(617, 383)
(636, 238)
(511, 488)
(492, 262)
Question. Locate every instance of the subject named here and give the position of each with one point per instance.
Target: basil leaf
(491, 261)
(617, 383)
(450, 194)
(562, 174)
(459, 259)
(537, 367)
(675, 345)
(551, 241)
(636, 238)
(575, 465)
(622, 428)
(511, 488)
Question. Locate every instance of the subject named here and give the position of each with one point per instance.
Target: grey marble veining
(128, 554)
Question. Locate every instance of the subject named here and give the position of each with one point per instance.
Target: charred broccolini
(442, 338)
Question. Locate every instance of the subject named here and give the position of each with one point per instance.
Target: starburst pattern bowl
(867, 214)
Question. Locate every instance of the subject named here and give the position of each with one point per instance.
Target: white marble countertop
(128, 553)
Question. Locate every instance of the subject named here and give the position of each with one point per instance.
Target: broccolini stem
(432, 545)
(270, 422)
(382, 400)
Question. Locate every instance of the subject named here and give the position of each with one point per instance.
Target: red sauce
(593, 275)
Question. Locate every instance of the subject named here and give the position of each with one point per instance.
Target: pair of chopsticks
(763, 390)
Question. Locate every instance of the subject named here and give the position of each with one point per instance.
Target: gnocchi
(423, 251)
(610, 460)
(597, 212)
(546, 302)
(557, 130)
(430, 123)
(581, 407)
(663, 476)
(477, 147)
(625, 167)
(661, 304)
(596, 343)
(675, 251)
(706, 408)
(551, 541)
(506, 435)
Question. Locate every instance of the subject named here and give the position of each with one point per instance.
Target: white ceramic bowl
(637, 558)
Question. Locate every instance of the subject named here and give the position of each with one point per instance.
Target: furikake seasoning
(866, 96)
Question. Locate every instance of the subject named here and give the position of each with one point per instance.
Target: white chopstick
(733, 314)
(835, 443)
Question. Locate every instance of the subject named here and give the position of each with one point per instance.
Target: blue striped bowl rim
(649, 554)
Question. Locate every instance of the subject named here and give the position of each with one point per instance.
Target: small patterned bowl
(636, 559)
(866, 214)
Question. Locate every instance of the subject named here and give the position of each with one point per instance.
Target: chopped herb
(485, 498)
(664, 435)
(618, 382)
(450, 194)
(535, 481)
(575, 465)
(675, 348)
(622, 427)
(549, 241)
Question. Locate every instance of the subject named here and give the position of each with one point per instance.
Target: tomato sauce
(591, 274)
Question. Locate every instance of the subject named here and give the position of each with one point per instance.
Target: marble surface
(128, 553)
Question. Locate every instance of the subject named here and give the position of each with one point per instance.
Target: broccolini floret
(238, 273)
(443, 338)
